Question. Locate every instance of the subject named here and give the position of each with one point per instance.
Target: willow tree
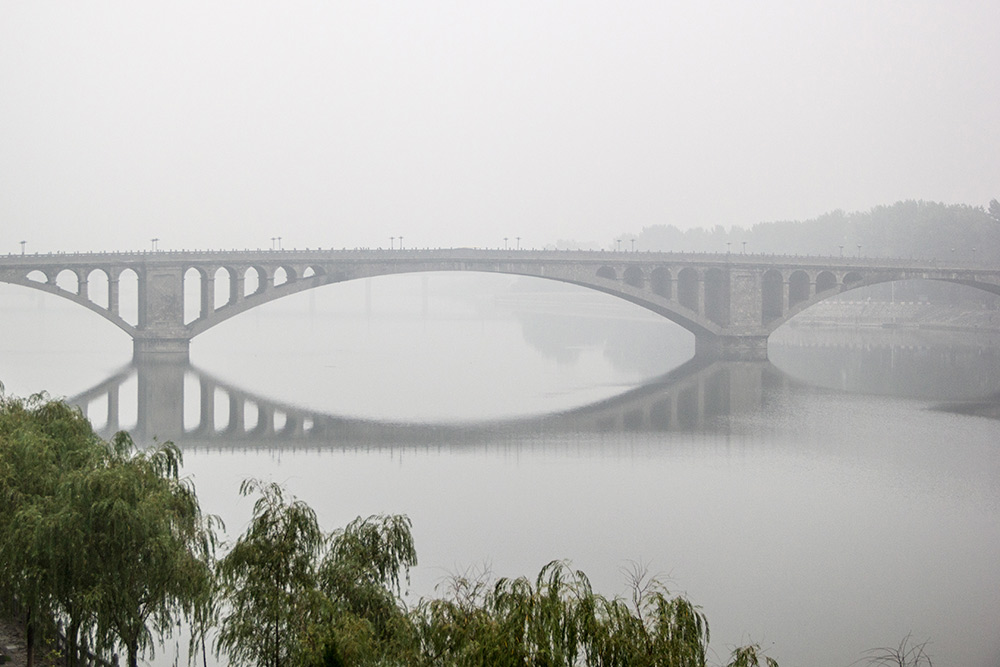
(42, 561)
(150, 544)
(268, 580)
(558, 620)
(365, 620)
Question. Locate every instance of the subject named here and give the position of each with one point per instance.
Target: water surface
(831, 501)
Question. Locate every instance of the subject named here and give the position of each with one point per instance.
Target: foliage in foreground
(905, 654)
(297, 597)
(101, 535)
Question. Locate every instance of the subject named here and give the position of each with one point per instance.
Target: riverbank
(902, 314)
(13, 652)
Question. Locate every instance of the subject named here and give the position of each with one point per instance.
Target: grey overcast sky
(225, 124)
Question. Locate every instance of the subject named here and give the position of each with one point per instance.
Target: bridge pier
(161, 349)
(731, 348)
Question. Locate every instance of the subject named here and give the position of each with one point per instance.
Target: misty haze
(705, 291)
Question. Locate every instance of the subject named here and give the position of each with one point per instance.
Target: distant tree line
(909, 229)
(110, 540)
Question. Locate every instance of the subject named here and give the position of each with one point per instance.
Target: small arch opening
(635, 277)
(717, 296)
(607, 272)
(251, 281)
(37, 276)
(128, 296)
(825, 281)
(192, 295)
(852, 278)
(660, 281)
(68, 281)
(98, 288)
(687, 288)
(280, 276)
(798, 287)
(772, 285)
(223, 289)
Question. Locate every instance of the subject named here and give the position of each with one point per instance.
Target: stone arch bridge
(731, 302)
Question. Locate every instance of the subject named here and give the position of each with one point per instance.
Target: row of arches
(781, 292)
(204, 290)
(707, 290)
(704, 291)
(207, 289)
(116, 291)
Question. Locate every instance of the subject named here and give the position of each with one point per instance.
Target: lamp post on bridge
(841, 251)
(392, 243)
(400, 242)
(279, 243)
(273, 239)
(744, 247)
(859, 251)
(518, 242)
(619, 242)
(22, 248)
(154, 242)
(505, 243)
(728, 243)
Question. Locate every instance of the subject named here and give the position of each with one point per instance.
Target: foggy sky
(226, 124)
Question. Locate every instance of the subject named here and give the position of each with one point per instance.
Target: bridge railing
(499, 253)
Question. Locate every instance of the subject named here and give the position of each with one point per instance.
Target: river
(837, 498)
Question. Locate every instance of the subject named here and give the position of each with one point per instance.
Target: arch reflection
(180, 402)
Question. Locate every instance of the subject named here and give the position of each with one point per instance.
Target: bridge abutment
(732, 348)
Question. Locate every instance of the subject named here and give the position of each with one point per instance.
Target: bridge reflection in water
(179, 402)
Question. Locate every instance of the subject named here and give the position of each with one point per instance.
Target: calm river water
(833, 500)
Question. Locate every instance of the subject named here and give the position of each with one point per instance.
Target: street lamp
(859, 251)
(400, 242)
(154, 243)
(973, 255)
(619, 241)
(518, 242)
(22, 247)
(392, 243)
(273, 239)
(728, 243)
(841, 251)
(279, 243)
(744, 247)
(505, 243)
